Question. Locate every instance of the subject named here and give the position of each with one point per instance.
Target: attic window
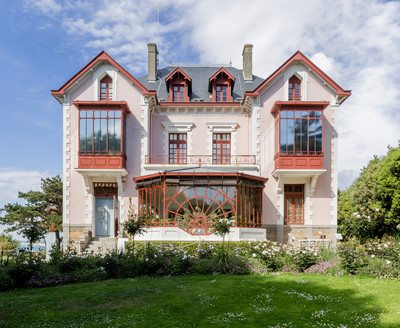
(294, 88)
(221, 85)
(106, 88)
(178, 83)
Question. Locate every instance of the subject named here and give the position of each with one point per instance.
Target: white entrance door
(104, 216)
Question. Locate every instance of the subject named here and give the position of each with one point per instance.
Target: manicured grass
(284, 300)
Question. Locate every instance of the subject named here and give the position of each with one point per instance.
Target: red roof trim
(278, 105)
(178, 70)
(104, 104)
(198, 103)
(299, 57)
(218, 174)
(222, 70)
(102, 56)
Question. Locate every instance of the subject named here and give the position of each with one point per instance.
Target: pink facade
(236, 146)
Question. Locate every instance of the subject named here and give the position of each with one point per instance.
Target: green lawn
(285, 300)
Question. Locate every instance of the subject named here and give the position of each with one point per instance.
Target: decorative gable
(221, 86)
(178, 85)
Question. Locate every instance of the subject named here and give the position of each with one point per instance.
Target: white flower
(254, 255)
(377, 209)
(372, 255)
(147, 259)
(385, 245)
(388, 262)
(155, 255)
(315, 254)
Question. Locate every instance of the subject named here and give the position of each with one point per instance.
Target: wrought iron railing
(202, 160)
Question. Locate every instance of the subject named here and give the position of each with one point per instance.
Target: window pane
(111, 135)
(284, 136)
(97, 135)
(96, 113)
(118, 135)
(311, 137)
(290, 136)
(82, 135)
(103, 142)
(318, 135)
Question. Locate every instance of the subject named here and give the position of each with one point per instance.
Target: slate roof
(200, 76)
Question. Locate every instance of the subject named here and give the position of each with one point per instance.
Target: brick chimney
(248, 62)
(152, 62)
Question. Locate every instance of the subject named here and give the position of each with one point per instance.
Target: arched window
(294, 88)
(106, 88)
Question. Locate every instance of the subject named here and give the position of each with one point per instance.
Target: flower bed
(378, 259)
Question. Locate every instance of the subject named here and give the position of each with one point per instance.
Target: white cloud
(13, 180)
(356, 42)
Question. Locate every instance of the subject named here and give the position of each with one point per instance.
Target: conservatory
(191, 199)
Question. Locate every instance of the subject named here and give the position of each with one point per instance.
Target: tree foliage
(42, 211)
(370, 207)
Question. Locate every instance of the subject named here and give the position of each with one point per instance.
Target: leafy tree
(25, 219)
(42, 212)
(7, 242)
(370, 207)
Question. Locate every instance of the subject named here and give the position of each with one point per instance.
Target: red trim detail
(298, 105)
(178, 78)
(83, 105)
(101, 57)
(222, 78)
(175, 71)
(199, 104)
(298, 57)
(222, 70)
(193, 174)
(102, 162)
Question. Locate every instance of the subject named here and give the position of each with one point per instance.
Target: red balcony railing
(299, 160)
(202, 160)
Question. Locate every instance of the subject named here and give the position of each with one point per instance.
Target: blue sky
(44, 42)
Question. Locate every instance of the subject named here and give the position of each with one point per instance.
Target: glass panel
(117, 114)
(318, 113)
(290, 136)
(318, 135)
(103, 142)
(311, 137)
(97, 114)
(111, 135)
(97, 135)
(82, 136)
(284, 136)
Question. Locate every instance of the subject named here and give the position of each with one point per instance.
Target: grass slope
(277, 301)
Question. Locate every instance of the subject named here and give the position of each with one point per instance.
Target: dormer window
(221, 86)
(294, 88)
(106, 88)
(179, 85)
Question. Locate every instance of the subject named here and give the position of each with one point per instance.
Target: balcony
(201, 160)
(304, 160)
(102, 161)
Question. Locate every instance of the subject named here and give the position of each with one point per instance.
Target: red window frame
(90, 122)
(221, 92)
(178, 91)
(299, 145)
(294, 204)
(294, 89)
(221, 148)
(177, 148)
(106, 88)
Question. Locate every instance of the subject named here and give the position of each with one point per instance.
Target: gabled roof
(222, 70)
(101, 57)
(178, 70)
(299, 57)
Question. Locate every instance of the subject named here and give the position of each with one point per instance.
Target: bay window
(301, 132)
(100, 132)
